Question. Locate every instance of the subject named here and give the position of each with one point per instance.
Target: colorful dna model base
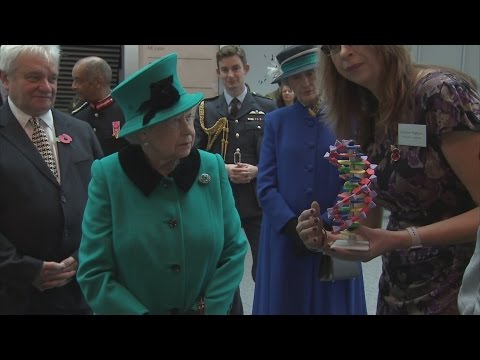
(356, 198)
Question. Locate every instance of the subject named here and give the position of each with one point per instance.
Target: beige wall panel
(203, 79)
(196, 65)
(150, 52)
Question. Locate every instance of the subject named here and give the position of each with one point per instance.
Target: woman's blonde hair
(354, 111)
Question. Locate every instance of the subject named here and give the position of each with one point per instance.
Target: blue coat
(293, 173)
(154, 244)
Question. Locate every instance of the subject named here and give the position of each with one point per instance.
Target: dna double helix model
(356, 198)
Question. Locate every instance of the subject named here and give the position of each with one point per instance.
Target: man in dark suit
(45, 159)
(92, 77)
(3, 94)
(231, 124)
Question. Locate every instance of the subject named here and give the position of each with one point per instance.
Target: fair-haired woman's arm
(462, 151)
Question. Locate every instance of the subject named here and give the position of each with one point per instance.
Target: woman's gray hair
(10, 53)
(135, 137)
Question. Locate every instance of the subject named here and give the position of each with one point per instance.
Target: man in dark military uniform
(92, 77)
(231, 124)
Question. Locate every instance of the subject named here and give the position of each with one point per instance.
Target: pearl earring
(145, 143)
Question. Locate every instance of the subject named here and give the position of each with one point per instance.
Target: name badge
(412, 135)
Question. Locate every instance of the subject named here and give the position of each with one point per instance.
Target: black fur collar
(135, 165)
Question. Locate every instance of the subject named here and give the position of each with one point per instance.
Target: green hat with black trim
(296, 59)
(153, 94)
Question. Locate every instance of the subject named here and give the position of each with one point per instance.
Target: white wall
(130, 60)
(259, 57)
(463, 57)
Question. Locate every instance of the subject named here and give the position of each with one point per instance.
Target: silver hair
(10, 53)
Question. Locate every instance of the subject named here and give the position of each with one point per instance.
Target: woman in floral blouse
(421, 125)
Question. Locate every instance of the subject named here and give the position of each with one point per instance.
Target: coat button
(236, 121)
(64, 199)
(237, 135)
(175, 268)
(172, 223)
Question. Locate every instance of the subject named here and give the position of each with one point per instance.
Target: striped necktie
(40, 140)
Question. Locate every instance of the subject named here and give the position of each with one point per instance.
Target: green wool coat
(159, 253)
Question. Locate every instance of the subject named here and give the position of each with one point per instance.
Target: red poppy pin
(395, 155)
(64, 138)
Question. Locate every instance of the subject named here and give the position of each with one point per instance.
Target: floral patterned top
(419, 189)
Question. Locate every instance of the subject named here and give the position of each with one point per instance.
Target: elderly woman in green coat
(161, 234)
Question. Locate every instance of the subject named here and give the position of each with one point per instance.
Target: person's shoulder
(108, 165)
(278, 114)
(270, 104)
(210, 159)
(446, 84)
(116, 106)
(209, 103)
(73, 122)
(210, 99)
(272, 95)
(265, 103)
(79, 109)
(111, 160)
(437, 78)
(260, 96)
(206, 155)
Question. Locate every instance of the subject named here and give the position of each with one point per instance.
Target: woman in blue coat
(161, 234)
(292, 173)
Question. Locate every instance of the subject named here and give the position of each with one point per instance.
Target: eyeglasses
(331, 50)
